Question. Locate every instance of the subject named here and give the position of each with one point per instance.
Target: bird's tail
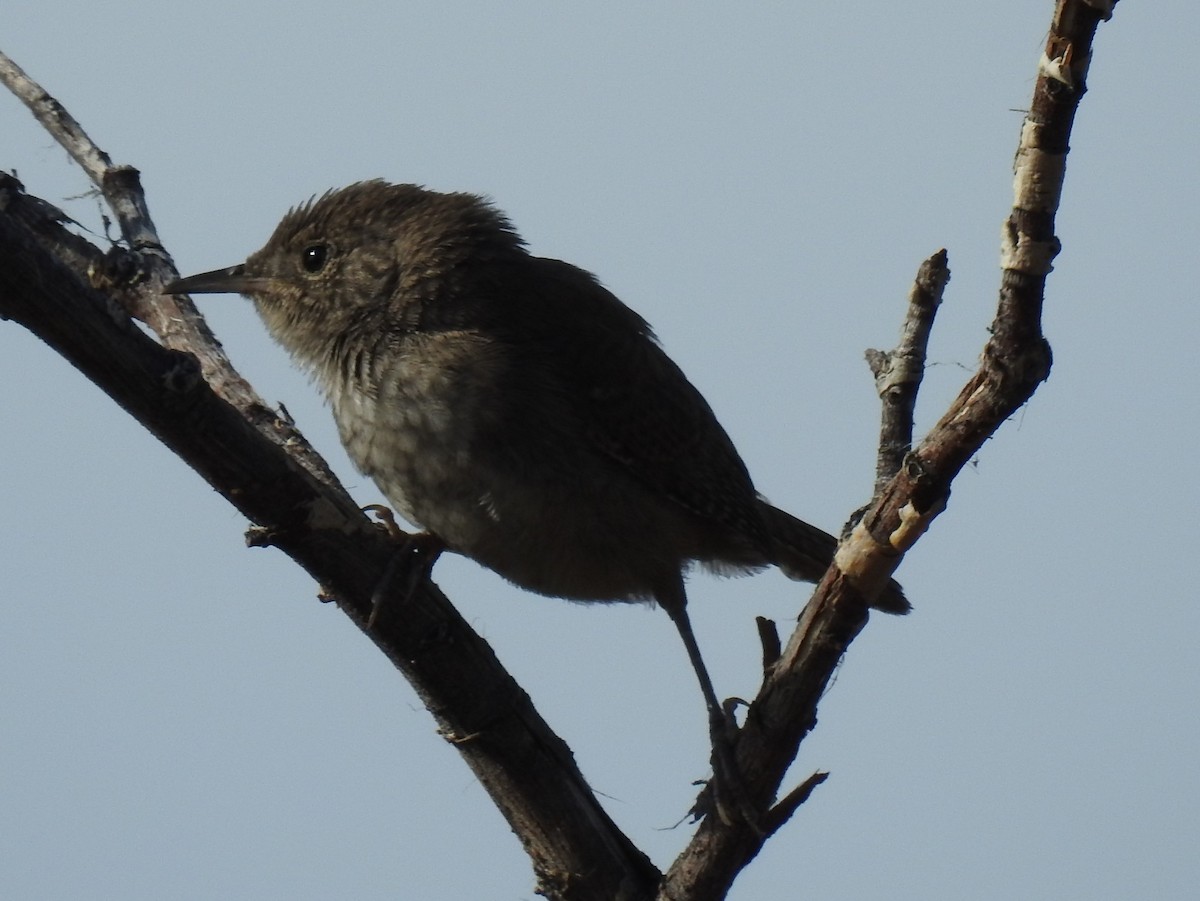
(804, 552)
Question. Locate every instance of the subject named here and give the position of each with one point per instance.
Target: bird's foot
(410, 566)
(730, 797)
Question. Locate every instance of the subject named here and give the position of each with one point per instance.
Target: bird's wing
(635, 404)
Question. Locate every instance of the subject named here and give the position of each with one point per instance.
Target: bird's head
(367, 258)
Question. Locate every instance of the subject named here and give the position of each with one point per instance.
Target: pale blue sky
(180, 718)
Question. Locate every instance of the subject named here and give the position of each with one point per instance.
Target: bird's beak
(233, 280)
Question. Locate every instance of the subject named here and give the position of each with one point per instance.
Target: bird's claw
(385, 519)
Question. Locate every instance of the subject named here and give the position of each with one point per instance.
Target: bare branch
(576, 849)
(898, 373)
(174, 320)
(768, 636)
(135, 278)
(56, 120)
(1015, 361)
(790, 803)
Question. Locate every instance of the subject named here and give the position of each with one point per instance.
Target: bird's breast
(416, 420)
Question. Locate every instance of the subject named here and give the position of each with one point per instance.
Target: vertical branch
(898, 372)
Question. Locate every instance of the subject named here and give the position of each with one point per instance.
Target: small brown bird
(512, 407)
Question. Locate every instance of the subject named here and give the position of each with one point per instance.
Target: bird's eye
(314, 257)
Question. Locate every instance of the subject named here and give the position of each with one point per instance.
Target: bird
(513, 408)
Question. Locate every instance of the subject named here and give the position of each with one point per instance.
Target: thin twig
(137, 284)
(56, 120)
(768, 636)
(778, 815)
(898, 372)
(120, 185)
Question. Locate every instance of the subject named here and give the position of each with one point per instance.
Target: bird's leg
(413, 561)
(732, 802)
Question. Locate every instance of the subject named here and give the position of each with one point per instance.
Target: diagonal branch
(1015, 361)
(78, 300)
(134, 277)
(490, 720)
